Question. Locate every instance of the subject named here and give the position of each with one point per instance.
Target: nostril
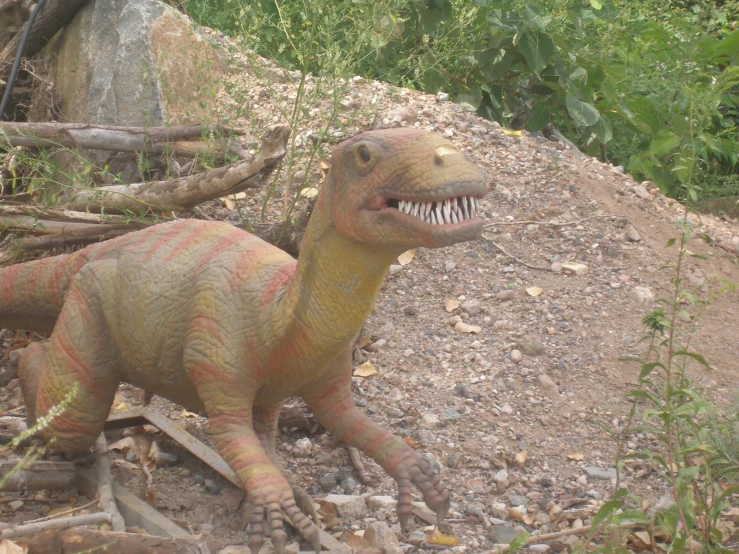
(441, 151)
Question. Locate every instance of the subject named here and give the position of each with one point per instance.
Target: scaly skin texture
(213, 318)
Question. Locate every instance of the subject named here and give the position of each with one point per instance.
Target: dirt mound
(554, 293)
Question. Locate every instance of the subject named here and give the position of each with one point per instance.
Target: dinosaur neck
(333, 289)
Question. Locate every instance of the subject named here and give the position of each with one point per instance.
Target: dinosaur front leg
(265, 426)
(334, 408)
(228, 400)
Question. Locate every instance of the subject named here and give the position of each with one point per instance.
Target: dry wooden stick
(184, 193)
(105, 484)
(566, 533)
(60, 514)
(37, 475)
(499, 247)
(85, 235)
(92, 540)
(124, 139)
(21, 530)
(63, 215)
(548, 224)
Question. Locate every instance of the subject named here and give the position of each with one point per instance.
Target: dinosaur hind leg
(265, 419)
(72, 374)
(30, 367)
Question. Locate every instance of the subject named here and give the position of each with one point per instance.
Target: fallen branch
(38, 475)
(60, 514)
(91, 540)
(105, 484)
(178, 141)
(566, 533)
(186, 192)
(86, 235)
(548, 224)
(70, 216)
(22, 530)
(499, 247)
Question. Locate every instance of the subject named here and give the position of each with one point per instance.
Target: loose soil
(514, 410)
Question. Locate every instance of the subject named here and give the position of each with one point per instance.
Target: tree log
(39, 475)
(178, 141)
(68, 216)
(83, 236)
(23, 530)
(186, 192)
(90, 540)
(54, 15)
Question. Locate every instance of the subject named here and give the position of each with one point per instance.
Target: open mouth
(443, 212)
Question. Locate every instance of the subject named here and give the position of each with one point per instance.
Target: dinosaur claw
(255, 543)
(305, 503)
(405, 520)
(279, 540)
(315, 541)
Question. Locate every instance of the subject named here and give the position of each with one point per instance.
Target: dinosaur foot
(418, 472)
(272, 502)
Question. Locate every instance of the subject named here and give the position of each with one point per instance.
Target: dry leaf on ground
(462, 327)
(437, 537)
(365, 370)
(451, 304)
(406, 257)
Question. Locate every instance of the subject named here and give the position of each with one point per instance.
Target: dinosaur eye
(364, 153)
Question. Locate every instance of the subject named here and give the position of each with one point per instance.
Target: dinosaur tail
(32, 293)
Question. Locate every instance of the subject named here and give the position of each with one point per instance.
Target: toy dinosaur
(211, 317)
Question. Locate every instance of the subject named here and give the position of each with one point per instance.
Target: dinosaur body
(213, 318)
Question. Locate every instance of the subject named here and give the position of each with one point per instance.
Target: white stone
(348, 506)
(386, 503)
(643, 294)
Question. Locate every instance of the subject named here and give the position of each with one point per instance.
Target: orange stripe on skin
(277, 282)
(166, 237)
(224, 243)
(253, 256)
(7, 292)
(183, 241)
(207, 323)
(35, 278)
(202, 375)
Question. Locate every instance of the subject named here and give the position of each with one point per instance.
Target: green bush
(651, 84)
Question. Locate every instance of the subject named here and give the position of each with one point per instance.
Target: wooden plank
(191, 444)
(135, 512)
(203, 453)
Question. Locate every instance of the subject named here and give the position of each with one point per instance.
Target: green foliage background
(653, 85)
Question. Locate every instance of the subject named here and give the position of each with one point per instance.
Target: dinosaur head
(403, 188)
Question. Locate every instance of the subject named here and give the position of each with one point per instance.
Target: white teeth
(444, 212)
